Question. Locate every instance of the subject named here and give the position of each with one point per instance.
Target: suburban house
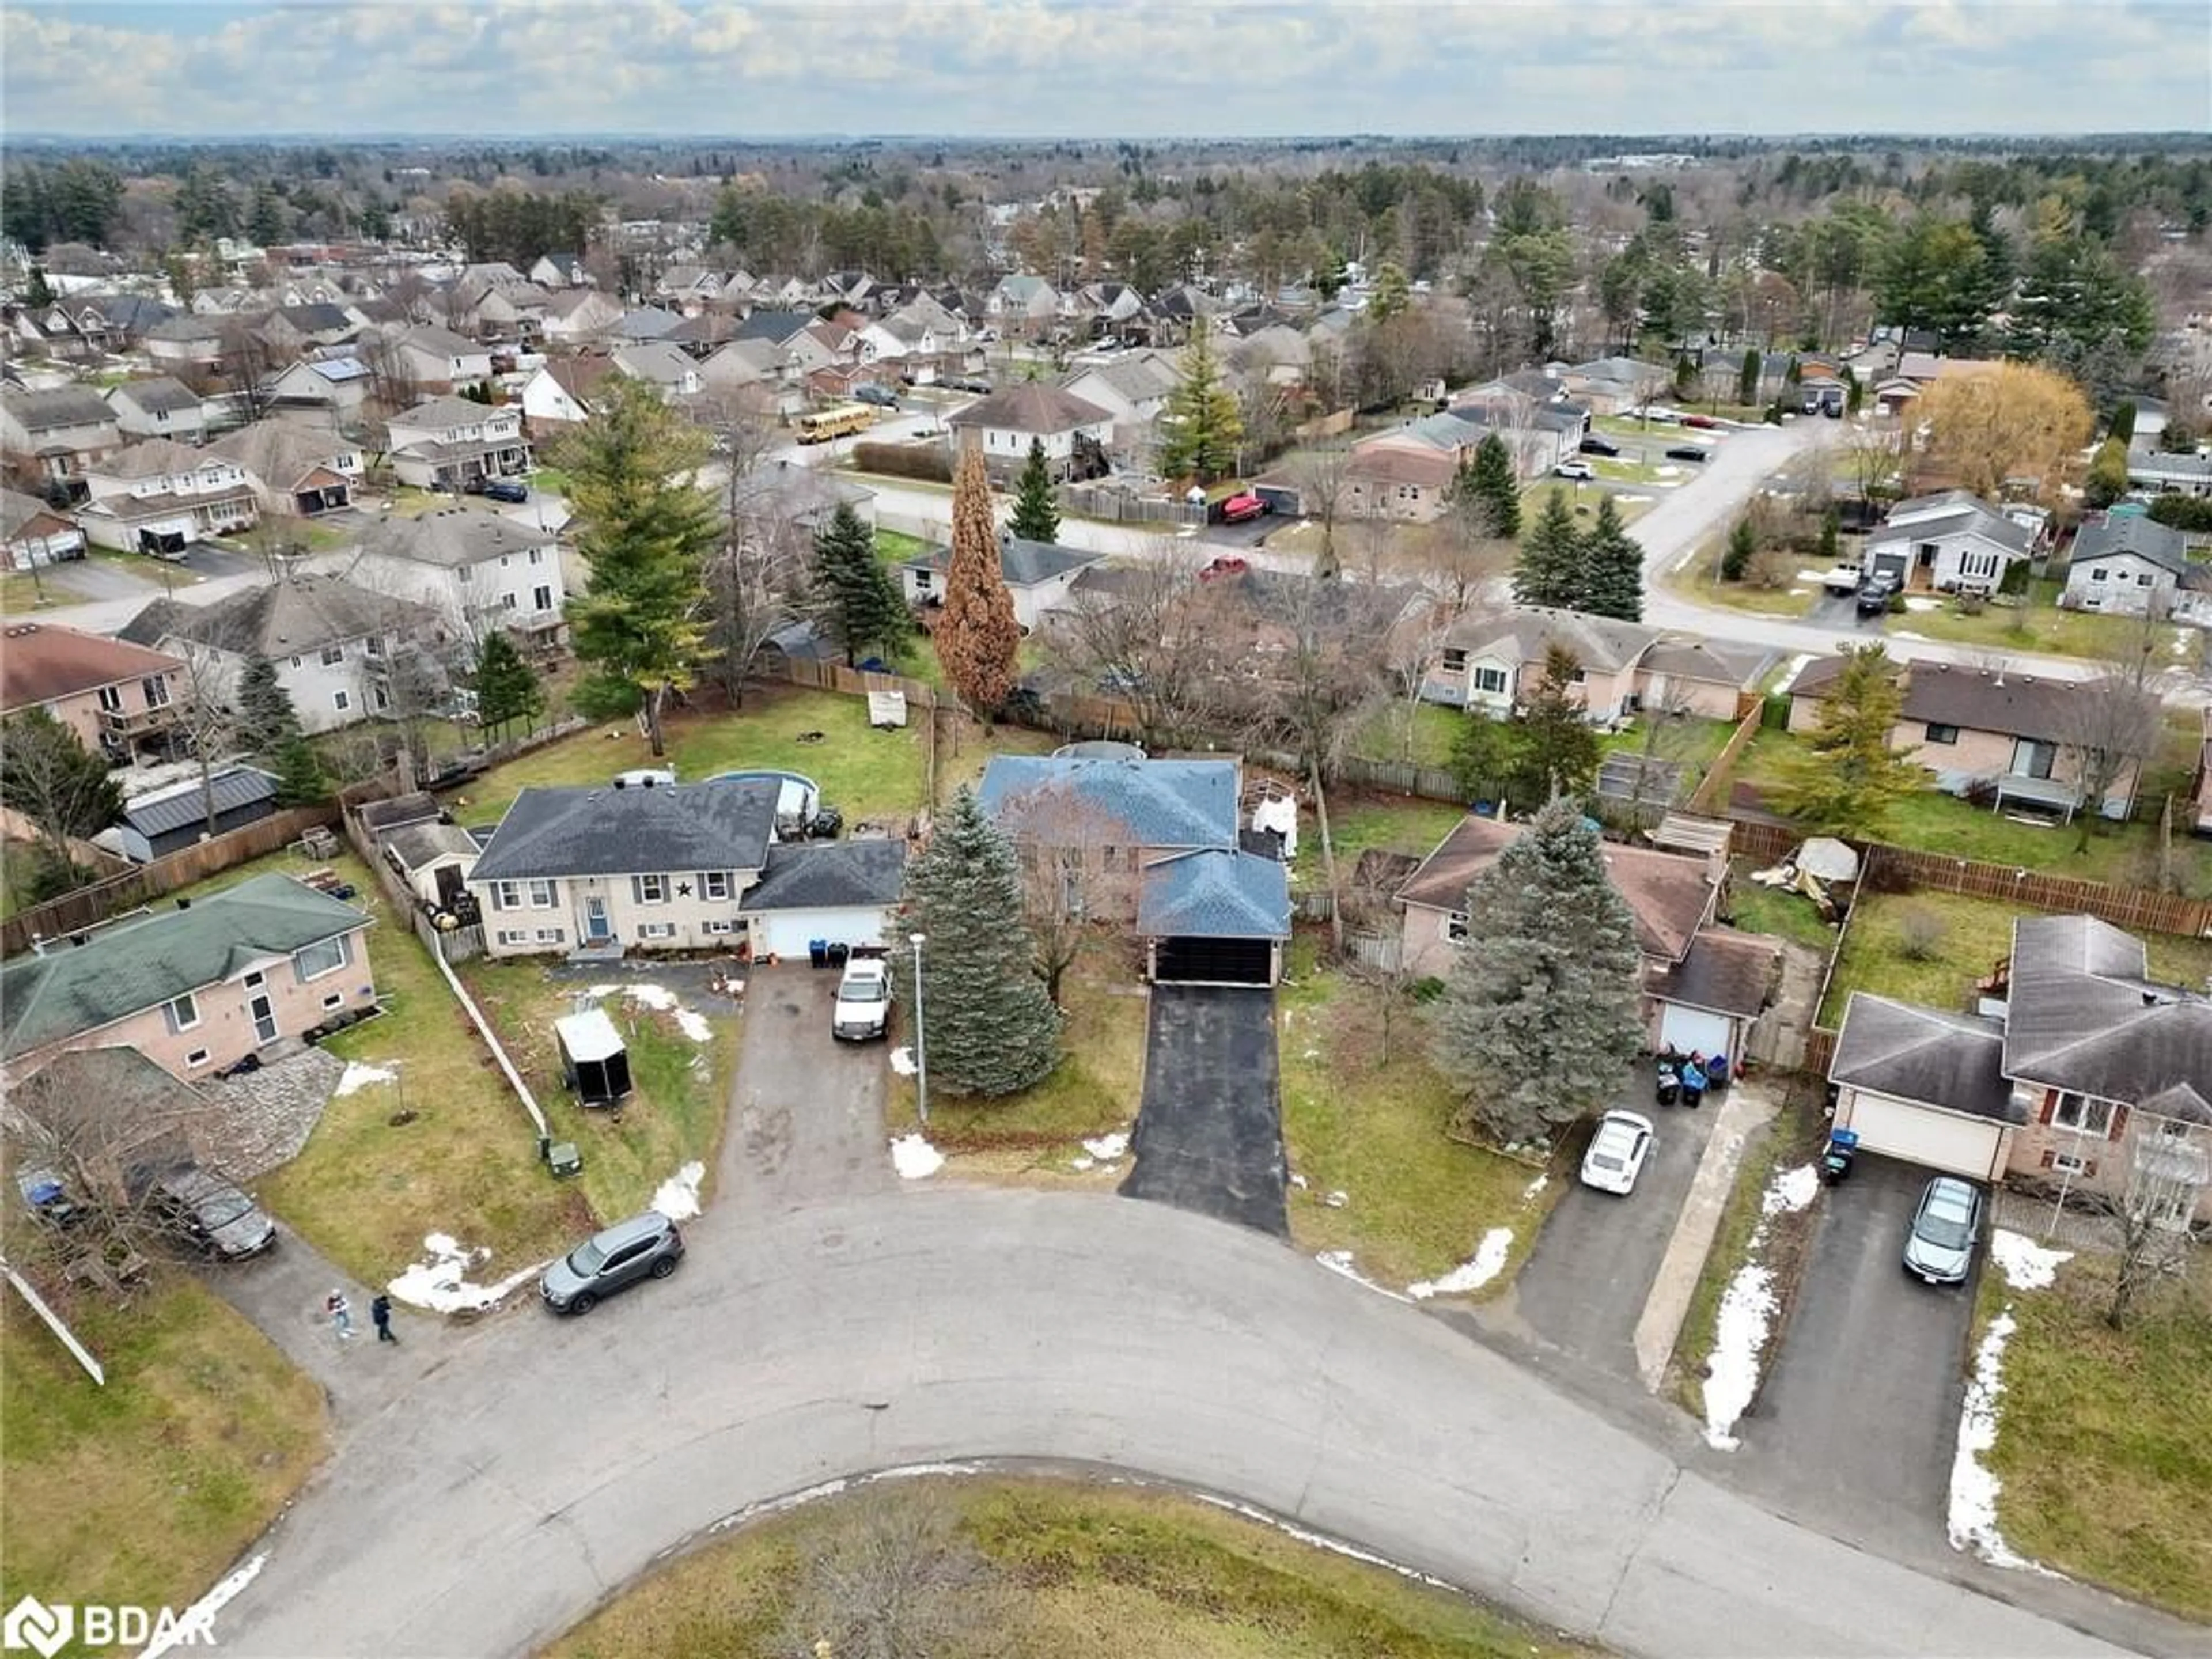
(1951, 542)
(1980, 730)
(1404, 482)
(191, 342)
(1489, 664)
(1916, 370)
(330, 390)
(49, 439)
(161, 496)
(437, 362)
(2129, 562)
(332, 643)
(293, 469)
(477, 569)
(446, 443)
(667, 368)
(2178, 474)
(195, 989)
(118, 697)
(32, 534)
(844, 893)
(1038, 576)
(602, 871)
(1022, 303)
(1075, 432)
(2080, 1071)
(578, 316)
(558, 393)
(1134, 389)
(171, 818)
(1616, 386)
(1703, 986)
(1151, 844)
(1538, 431)
(159, 408)
(110, 1113)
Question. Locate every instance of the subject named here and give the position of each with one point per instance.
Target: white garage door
(1941, 1140)
(1693, 1031)
(787, 933)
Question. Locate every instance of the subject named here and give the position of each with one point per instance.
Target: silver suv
(647, 1246)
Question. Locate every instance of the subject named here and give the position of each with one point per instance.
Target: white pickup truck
(1842, 579)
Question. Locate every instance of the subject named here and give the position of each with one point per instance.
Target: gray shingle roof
(451, 537)
(1976, 700)
(279, 453)
(2132, 532)
(2085, 1015)
(281, 619)
(161, 395)
(1031, 407)
(443, 414)
(1147, 803)
(1024, 563)
(47, 411)
(1956, 1061)
(716, 826)
(776, 327)
(172, 809)
(136, 965)
(838, 875)
(1214, 893)
(1967, 517)
(1726, 972)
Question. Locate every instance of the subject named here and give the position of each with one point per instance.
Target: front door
(596, 929)
(263, 1012)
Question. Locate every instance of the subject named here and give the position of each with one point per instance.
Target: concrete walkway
(1747, 1107)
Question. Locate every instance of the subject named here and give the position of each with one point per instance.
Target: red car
(1239, 509)
(1703, 423)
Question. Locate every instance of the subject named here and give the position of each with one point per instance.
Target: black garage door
(1214, 962)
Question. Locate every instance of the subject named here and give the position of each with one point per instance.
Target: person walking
(379, 1314)
(341, 1313)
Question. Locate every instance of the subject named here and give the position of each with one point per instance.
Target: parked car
(881, 396)
(1940, 1248)
(1687, 453)
(1703, 423)
(500, 489)
(1617, 1153)
(1842, 578)
(645, 1246)
(1574, 469)
(864, 1000)
(211, 1212)
(1242, 507)
(1594, 444)
(1875, 594)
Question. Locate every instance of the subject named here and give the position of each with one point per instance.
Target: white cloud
(1147, 68)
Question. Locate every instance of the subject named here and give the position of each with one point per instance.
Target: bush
(2186, 512)
(916, 460)
(1920, 933)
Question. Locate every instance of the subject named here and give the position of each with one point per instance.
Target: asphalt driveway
(1584, 1286)
(1209, 1135)
(1860, 1412)
(806, 1113)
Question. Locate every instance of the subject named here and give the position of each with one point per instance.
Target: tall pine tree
(1540, 1018)
(300, 778)
(1488, 489)
(1847, 777)
(987, 1024)
(977, 639)
(855, 599)
(266, 720)
(1550, 569)
(1558, 746)
(1201, 431)
(1613, 568)
(1036, 516)
(506, 685)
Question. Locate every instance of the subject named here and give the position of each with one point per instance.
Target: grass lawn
(2041, 626)
(1397, 824)
(895, 547)
(367, 1192)
(1757, 909)
(675, 1116)
(21, 591)
(1367, 1121)
(865, 773)
(1432, 728)
(1975, 934)
(1694, 581)
(2105, 1440)
(1066, 1568)
(146, 1490)
(551, 479)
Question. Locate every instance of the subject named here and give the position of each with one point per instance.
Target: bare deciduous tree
(754, 581)
(1079, 868)
(1323, 476)
(1135, 636)
(2165, 1174)
(2111, 723)
(894, 1580)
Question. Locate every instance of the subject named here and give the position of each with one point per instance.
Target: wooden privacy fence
(89, 906)
(2140, 909)
(855, 682)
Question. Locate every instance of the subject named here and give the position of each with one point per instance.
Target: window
(183, 1013)
(340, 701)
(714, 884)
(507, 602)
(110, 699)
(549, 936)
(924, 579)
(325, 957)
(2091, 1118)
(381, 697)
(156, 688)
(541, 598)
(2097, 574)
(1454, 661)
(1455, 927)
(538, 556)
(255, 980)
(333, 655)
(507, 896)
(649, 889)
(1491, 680)
(514, 936)
(372, 646)
(335, 999)
(2067, 1163)
(295, 662)
(1580, 676)
(722, 926)
(1943, 735)
(465, 574)
(197, 1057)
(657, 930)
(504, 561)
(541, 895)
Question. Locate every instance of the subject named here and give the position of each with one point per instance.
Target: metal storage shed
(593, 1061)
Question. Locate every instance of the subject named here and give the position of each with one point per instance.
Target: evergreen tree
(299, 778)
(1742, 548)
(1550, 569)
(266, 720)
(2108, 473)
(977, 638)
(1558, 746)
(1490, 760)
(1747, 382)
(1847, 777)
(644, 531)
(1831, 536)
(506, 685)
(1201, 428)
(1540, 1019)
(1613, 564)
(989, 1027)
(2124, 421)
(1487, 490)
(858, 605)
(50, 777)
(1036, 516)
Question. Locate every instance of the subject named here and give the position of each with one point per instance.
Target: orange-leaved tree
(977, 638)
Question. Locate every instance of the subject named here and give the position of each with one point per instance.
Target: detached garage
(1706, 1003)
(1925, 1087)
(839, 892)
(1214, 917)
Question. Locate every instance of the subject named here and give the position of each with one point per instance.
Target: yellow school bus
(844, 420)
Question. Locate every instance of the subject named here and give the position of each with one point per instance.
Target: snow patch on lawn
(661, 1000)
(1790, 1191)
(358, 1076)
(903, 1061)
(200, 1616)
(1107, 1148)
(914, 1158)
(1340, 1263)
(1916, 604)
(2025, 1265)
(442, 1283)
(1666, 471)
(1973, 1509)
(1528, 1193)
(1747, 1314)
(1487, 1262)
(677, 1197)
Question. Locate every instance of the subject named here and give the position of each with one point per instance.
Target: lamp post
(920, 1038)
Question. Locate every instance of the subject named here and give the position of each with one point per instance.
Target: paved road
(807, 1111)
(1859, 1416)
(1584, 1286)
(1209, 1135)
(547, 1462)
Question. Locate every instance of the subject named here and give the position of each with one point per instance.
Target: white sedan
(1617, 1153)
(1574, 469)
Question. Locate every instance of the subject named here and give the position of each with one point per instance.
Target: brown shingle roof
(1976, 700)
(40, 661)
(1032, 407)
(1728, 973)
(1389, 463)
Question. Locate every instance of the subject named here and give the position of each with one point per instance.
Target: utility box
(593, 1062)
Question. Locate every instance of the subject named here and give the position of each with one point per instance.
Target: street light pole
(921, 1037)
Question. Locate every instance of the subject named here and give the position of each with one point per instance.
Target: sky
(1101, 69)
